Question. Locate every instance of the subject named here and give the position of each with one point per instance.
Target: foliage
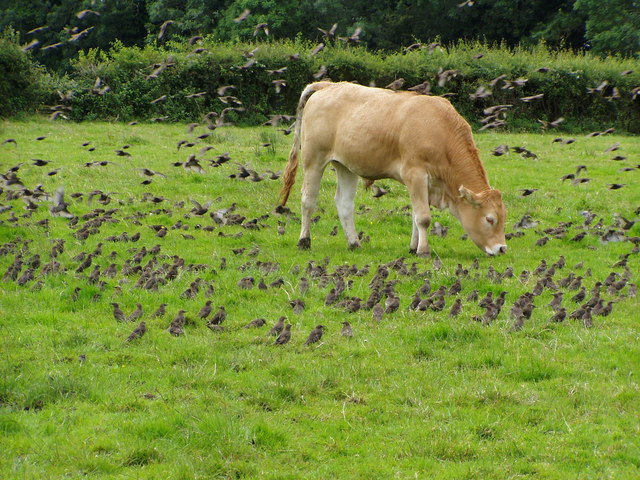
(612, 26)
(607, 26)
(125, 71)
(22, 82)
(417, 395)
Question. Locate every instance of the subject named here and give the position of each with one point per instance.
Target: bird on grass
(136, 314)
(138, 332)
(177, 324)
(205, 311)
(161, 311)
(257, 323)
(118, 314)
(559, 316)
(219, 317)
(346, 331)
(278, 327)
(377, 312)
(315, 335)
(284, 336)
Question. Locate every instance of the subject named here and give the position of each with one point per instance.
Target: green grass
(418, 395)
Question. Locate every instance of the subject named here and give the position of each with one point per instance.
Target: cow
(418, 140)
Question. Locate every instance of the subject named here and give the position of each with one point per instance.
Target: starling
(456, 308)
(246, 283)
(391, 304)
(580, 296)
(219, 317)
(473, 296)
(560, 315)
(205, 311)
(331, 297)
(160, 312)
(59, 206)
(138, 332)
(378, 191)
(486, 300)
(118, 313)
(438, 304)
(346, 331)
(177, 324)
(456, 288)
(315, 335)
(298, 306)
(26, 276)
(303, 286)
(136, 314)
(284, 336)
(257, 323)
(277, 328)
(377, 312)
(556, 302)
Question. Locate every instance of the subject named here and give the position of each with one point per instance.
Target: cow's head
(482, 216)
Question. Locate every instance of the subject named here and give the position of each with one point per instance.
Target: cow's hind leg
(310, 188)
(418, 185)
(413, 246)
(344, 198)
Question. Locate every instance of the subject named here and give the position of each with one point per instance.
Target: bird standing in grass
(315, 335)
(118, 314)
(138, 332)
(277, 328)
(346, 331)
(219, 317)
(136, 314)
(284, 336)
(205, 311)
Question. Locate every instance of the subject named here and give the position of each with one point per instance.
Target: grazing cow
(420, 141)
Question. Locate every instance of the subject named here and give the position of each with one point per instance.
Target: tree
(612, 25)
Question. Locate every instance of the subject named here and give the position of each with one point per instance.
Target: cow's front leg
(344, 198)
(310, 188)
(418, 186)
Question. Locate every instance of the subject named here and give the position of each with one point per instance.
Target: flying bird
(58, 208)
(163, 28)
(243, 16)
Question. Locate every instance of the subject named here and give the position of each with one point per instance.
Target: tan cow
(420, 141)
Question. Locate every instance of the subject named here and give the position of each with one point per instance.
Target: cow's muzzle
(496, 250)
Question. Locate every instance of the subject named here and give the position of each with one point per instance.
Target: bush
(22, 82)
(126, 69)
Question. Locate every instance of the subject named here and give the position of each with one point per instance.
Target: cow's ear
(469, 197)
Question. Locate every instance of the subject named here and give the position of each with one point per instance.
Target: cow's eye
(490, 219)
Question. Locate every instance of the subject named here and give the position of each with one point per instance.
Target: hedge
(564, 83)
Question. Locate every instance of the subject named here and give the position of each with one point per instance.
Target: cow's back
(371, 129)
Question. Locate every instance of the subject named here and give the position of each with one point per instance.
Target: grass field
(417, 395)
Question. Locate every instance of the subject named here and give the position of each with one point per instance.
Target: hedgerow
(564, 81)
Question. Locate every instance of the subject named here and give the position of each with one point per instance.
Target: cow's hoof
(304, 243)
(413, 251)
(353, 246)
(426, 254)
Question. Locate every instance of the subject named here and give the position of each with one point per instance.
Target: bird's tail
(289, 176)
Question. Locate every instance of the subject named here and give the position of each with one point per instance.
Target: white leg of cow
(345, 195)
(413, 246)
(418, 186)
(310, 188)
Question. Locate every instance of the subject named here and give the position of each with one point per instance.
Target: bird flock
(576, 294)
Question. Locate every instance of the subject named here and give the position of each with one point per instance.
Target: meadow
(419, 394)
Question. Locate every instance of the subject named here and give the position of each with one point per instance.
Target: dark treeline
(64, 27)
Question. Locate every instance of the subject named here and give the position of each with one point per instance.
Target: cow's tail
(289, 177)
